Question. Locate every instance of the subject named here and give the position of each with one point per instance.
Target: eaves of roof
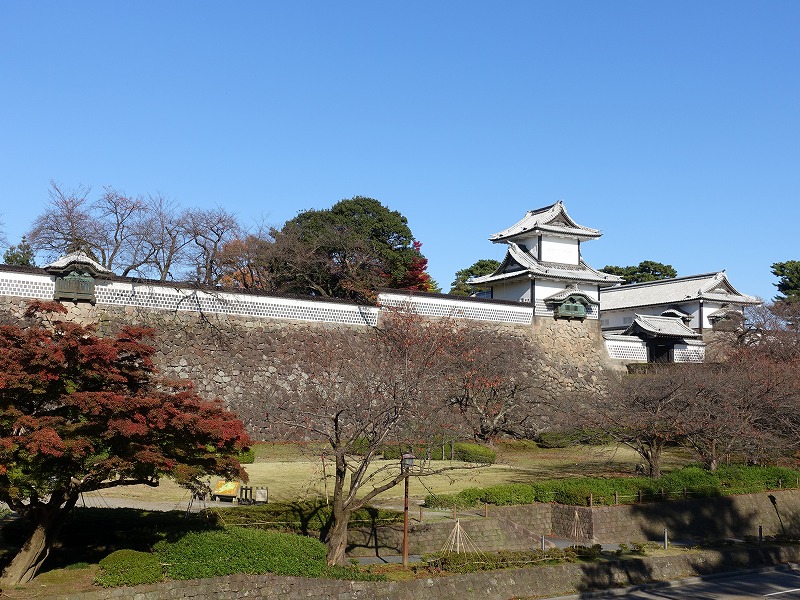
(673, 291)
(541, 219)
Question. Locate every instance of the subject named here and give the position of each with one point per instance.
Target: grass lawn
(295, 472)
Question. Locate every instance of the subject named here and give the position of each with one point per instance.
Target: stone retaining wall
(492, 585)
(506, 528)
(245, 360)
(777, 512)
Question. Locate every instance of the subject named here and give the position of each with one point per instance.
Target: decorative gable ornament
(75, 276)
(570, 303)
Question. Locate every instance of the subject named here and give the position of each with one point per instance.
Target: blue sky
(673, 127)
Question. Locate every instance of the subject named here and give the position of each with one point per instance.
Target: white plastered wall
(561, 250)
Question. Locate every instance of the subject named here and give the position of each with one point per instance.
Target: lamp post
(406, 462)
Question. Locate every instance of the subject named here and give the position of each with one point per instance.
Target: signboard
(226, 489)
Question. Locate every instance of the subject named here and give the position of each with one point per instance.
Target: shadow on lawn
(90, 534)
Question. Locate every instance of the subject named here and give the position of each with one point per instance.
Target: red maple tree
(81, 412)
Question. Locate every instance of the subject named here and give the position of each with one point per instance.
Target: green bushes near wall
(239, 550)
(201, 554)
(247, 457)
(574, 437)
(129, 567)
(689, 482)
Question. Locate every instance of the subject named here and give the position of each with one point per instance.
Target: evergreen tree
(647, 270)
(788, 274)
(460, 287)
(21, 255)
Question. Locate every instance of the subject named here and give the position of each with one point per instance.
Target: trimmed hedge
(129, 567)
(689, 482)
(474, 453)
(247, 456)
(237, 550)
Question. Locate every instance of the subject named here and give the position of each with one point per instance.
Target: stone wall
(521, 527)
(241, 358)
(505, 528)
(777, 512)
(543, 581)
(713, 518)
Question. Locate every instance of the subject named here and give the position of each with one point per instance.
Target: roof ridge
(665, 280)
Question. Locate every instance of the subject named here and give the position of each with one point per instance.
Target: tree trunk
(653, 457)
(49, 519)
(337, 541)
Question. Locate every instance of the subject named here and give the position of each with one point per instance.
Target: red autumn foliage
(80, 412)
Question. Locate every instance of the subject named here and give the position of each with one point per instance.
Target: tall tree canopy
(346, 251)
(360, 244)
(788, 274)
(79, 412)
(461, 287)
(647, 270)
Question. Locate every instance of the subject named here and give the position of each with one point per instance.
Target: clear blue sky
(673, 127)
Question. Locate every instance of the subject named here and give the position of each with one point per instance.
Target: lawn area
(295, 472)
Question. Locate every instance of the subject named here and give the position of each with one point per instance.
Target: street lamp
(406, 463)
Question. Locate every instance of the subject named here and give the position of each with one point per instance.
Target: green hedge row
(223, 552)
(470, 562)
(463, 451)
(691, 482)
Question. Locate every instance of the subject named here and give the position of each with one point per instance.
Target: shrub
(237, 550)
(470, 562)
(554, 439)
(690, 482)
(474, 453)
(129, 567)
(247, 456)
(574, 437)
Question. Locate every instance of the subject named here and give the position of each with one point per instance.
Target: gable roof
(520, 263)
(77, 260)
(708, 286)
(672, 327)
(549, 219)
(571, 290)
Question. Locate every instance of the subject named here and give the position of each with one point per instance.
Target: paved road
(767, 584)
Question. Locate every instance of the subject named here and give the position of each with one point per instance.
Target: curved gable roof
(517, 256)
(549, 219)
(671, 327)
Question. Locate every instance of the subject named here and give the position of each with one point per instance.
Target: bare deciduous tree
(210, 230)
(644, 412)
(166, 235)
(358, 391)
(496, 393)
(67, 224)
